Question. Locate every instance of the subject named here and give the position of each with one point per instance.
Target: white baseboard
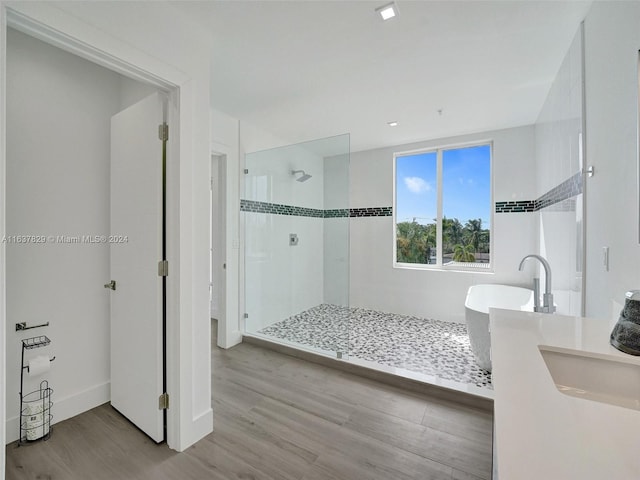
(67, 407)
(232, 339)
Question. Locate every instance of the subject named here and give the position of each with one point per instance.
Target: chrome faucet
(547, 298)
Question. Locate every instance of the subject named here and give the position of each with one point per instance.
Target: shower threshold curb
(424, 388)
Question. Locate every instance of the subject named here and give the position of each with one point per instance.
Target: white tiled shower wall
(558, 133)
(612, 38)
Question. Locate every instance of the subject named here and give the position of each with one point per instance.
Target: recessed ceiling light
(388, 11)
(392, 124)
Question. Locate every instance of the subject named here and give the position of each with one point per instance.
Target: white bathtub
(479, 299)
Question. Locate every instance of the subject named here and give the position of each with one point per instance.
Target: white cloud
(417, 184)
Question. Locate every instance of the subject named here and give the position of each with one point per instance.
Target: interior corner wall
(113, 30)
(612, 40)
(438, 294)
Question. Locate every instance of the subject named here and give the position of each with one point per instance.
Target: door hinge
(163, 401)
(163, 268)
(246, 315)
(246, 171)
(163, 132)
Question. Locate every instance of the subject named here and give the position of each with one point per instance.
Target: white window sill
(459, 267)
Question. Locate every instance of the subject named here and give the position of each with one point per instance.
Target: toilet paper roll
(39, 365)
(37, 426)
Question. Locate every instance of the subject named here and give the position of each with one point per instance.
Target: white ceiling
(309, 69)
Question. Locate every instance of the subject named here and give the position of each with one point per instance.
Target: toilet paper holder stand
(29, 428)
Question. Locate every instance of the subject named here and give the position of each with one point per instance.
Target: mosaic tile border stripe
(336, 213)
(280, 209)
(559, 197)
(371, 212)
(567, 189)
(516, 207)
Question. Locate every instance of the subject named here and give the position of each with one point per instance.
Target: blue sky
(466, 185)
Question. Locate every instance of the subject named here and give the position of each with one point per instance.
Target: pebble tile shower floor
(427, 346)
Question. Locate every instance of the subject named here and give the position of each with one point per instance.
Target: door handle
(111, 285)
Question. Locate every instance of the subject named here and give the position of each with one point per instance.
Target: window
(443, 207)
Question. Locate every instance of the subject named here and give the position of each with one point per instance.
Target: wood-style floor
(277, 417)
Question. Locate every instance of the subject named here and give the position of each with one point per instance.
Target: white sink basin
(592, 376)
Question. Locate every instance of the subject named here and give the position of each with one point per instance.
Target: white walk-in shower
(296, 217)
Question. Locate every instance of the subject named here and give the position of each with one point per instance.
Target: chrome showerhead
(303, 178)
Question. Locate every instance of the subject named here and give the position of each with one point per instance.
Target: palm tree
(451, 234)
(414, 241)
(474, 233)
(463, 254)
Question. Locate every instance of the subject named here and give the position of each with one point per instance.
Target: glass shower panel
(336, 242)
(296, 238)
(559, 136)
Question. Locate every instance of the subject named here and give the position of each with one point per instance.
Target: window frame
(439, 266)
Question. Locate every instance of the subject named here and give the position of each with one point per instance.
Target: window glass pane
(466, 204)
(416, 208)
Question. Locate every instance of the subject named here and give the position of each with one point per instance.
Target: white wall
(3, 305)
(58, 113)
(374, 283)
(558, 133)
(612, 40)
(172, 51)
(132, 91)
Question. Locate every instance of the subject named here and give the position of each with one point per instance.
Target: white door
(136, 249)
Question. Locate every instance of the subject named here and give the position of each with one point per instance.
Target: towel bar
(23, 326)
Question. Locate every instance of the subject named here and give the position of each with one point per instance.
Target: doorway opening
(217, 255)
(59, 190)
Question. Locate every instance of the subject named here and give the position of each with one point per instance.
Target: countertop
(542, 433)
